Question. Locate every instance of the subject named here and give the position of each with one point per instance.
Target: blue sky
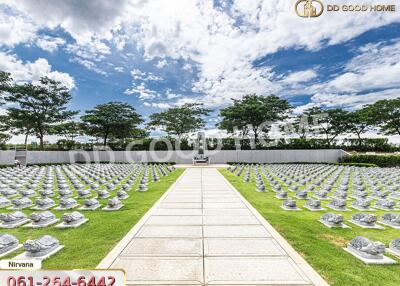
(157, 54)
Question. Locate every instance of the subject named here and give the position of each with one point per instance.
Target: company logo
(309, 8)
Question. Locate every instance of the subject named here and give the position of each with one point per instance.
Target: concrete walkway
(203, 232)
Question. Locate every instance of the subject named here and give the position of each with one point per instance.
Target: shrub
(358, 164)
(378, 160)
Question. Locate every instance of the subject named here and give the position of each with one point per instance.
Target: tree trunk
(26, 138)
(255, 137)
(105, 139)
(327, 139)
(41, 141)
(359, 139)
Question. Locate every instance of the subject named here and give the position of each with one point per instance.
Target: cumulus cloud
(50, 44)
(32, 71)
(301, 76)
(15, 29)
(82, 19)
(141, 91)
(221, 42)
(159, 105)
(376, 66)
(224, 52)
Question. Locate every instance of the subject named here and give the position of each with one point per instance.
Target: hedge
(378, 160)
(358, 164)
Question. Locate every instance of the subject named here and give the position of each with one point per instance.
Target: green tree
(332, 123)
(360, 121)
(180, 120)
(6, 82)
(41, 106)
(111, 120)
(4, 138)
(254, 113)
(20, 122)
(386, 114)
(303, 125)
(70, 130)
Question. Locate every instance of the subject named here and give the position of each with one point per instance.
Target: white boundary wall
(180, 157)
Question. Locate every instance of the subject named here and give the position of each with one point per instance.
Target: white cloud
(49, 44)
(95, 50)
(82, 19)
(170, 95)
(353, 101)
(138, 75)
(224, 52)
(301, 76)
(161, 64)
(32, 71)
(220, 43)
(377, 66)
(89, 65)
(159, 105)
(142, 91)
(15, 29)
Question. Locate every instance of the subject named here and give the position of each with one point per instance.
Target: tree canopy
(112, 119)
(332, 123)
(386, 114)
(37, 107)
(5, 84)
(180, 120)
(253, 113)
(359, 121)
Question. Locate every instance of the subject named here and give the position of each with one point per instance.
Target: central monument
(200, 143)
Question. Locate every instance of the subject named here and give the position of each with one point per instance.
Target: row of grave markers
(338, 185)
(67, 183)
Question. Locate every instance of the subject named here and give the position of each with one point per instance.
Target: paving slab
(161, 270)
(164, 247)
(203, 232)
(242, 247)
(230, 220)
(185, 212)
(175, 220)
(235, 231)
(253, 271)
(170, 231)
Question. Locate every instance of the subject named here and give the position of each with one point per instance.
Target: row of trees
(42, 109)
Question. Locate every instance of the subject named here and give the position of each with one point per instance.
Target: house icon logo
(309, 8)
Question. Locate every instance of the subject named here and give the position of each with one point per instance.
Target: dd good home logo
(309, 8)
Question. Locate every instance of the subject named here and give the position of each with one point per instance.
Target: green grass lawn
(88, 244)
(319, 245)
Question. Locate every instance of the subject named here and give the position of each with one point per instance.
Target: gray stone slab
(230, 220)
(180, 205)
(182, 200)
(24, 256)
(253, 271)
(230, 212)
(164, 247)
(222, 200)
(174, 220)
(239, 205)
(185, 212)
(384, 260)
(170, 231)
(242, 247)
(375, 226)
(161, 270)
(235, 231)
